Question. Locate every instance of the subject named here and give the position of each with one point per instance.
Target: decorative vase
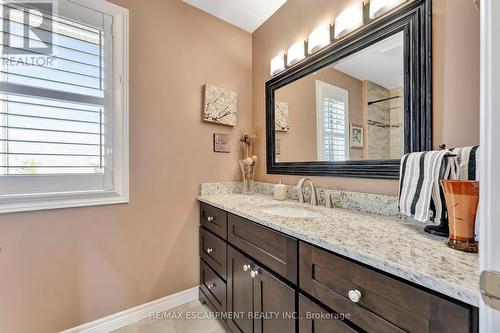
(462, 200)
(248, 173)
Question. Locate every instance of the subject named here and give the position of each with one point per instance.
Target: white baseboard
(133, 315)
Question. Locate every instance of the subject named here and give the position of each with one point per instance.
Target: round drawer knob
(254, 274)
(210, 218)
(210, 251)
(211, 286)
(246, 268)
(354, 295)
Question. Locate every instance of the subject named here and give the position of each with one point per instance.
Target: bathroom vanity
(377, 273)
(351, 109)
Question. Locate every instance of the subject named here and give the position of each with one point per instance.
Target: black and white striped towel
(468, 169)
(468, 162)
(420, 195)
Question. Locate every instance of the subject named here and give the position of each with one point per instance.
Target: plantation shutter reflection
(53, 113)
(332, 115)
(335, 125)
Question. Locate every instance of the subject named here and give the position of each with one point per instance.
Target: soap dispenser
(280, 191)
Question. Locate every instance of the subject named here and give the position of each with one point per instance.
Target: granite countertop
(393, 245)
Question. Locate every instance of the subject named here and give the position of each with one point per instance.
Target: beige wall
(456, 74)
(300, 143)
(66, 267)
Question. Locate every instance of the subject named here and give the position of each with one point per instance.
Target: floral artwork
(282, 117)
(219, 105)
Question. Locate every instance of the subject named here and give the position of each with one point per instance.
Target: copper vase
(462, 200)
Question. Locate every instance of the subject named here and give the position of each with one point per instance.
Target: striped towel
(420, 194)
(468, 169)
(468, 162)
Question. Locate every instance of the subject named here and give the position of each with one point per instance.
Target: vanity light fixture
(278, 64)
(295, 53)
(318, 39)
(379, 7)
(348, 20)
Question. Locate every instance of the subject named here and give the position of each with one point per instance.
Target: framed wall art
(219, 105)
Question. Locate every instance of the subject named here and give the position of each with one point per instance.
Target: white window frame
(321, 87)
(119, 192)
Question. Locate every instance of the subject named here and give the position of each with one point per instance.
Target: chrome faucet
(314, 197)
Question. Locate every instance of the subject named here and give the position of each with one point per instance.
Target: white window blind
(58, 121)
(41, 135)
(332, 114)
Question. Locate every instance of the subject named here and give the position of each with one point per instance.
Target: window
(63, 104)
(332, 120)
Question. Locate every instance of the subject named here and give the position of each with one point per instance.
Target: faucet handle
(301, 182)
(328, 199)
(301, 195)
(314, 196)
(300, 192)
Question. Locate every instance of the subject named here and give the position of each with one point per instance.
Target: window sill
(60, 200)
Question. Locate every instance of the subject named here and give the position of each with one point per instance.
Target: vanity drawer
(213, 287)
(213, 251)
(386, 304)
(314, 319)
(273, 249)
(214, 219)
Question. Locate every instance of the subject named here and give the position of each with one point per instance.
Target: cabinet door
(239, 292)
(274, 304)
(315, 319)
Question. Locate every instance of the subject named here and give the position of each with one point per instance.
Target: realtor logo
(27, 27)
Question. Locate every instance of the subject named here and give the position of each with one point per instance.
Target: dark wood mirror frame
(414, 19)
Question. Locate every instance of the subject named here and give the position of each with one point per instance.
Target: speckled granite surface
(221, 188)
(364, 202)
(396, 246)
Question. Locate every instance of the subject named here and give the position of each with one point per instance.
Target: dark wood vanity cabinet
(240, 292)
(213, 251)
(273, 249)
(251, 291)
(315, 319)
(213, 286)
(214, 219)
(270, 282)
(381, 303)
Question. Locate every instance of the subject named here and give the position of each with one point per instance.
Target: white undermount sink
(287, 211)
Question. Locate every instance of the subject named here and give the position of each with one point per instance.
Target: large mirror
(350, 110)
(356, 108)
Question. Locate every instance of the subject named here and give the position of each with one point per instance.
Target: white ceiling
(246, 14)
(381, 63)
